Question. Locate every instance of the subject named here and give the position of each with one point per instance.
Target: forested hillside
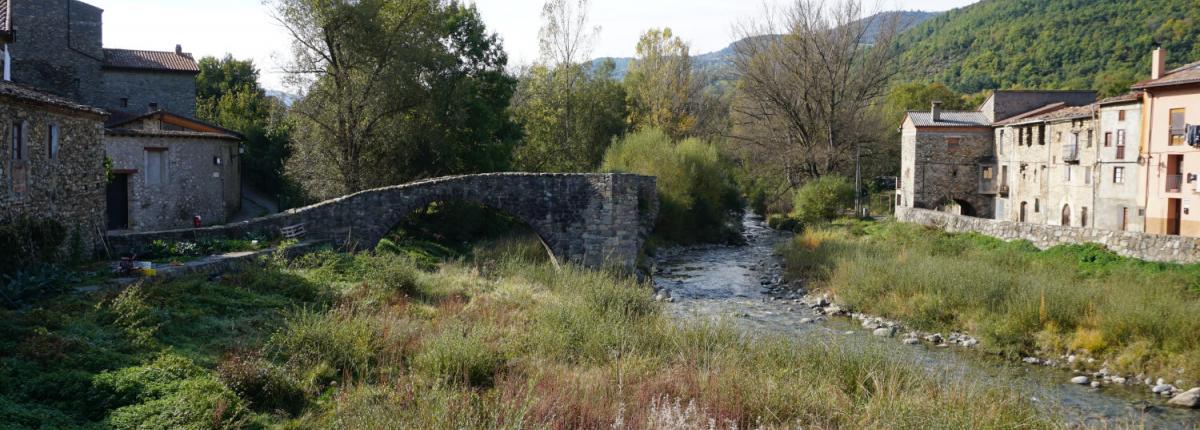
(1101, 44)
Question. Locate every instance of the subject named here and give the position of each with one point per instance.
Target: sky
(246, 29)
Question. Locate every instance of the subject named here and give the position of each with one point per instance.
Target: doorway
(1066, 216)
(1023, 209)
(1174, 213)
(117, 202)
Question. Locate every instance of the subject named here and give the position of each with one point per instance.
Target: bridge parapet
(595, 220)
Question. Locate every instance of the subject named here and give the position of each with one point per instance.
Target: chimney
(1159, 64)
(178, 49)
(936, 110)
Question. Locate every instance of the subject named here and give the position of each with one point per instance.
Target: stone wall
(594, 220)
(68, 188)
(936, 173)
(170, 91)
(1150, 247)
(58, 47)
(192, 184)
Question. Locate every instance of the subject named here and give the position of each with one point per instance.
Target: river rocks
(1080, 380)
(911, 341)
(1031, 360)
(1118, 380)
(885, 331)
(1161, 388)
(1095, 384)
(934, 338)
(1187, 399)
(806, 321)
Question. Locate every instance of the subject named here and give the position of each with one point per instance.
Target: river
(725, 283)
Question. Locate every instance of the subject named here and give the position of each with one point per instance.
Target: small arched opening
(965, 208)
(1066, 215)
(1024, 211)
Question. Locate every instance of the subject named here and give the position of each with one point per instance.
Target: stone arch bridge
(590, 219)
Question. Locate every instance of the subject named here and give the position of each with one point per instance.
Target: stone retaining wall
(590, 219)
(1150, 247)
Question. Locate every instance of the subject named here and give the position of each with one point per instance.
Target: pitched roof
(190, 126)
(1188, 74)
(30, 95)
(1031, 116)
(1072, 112)
(1132, 96)
(163, 61)
(133, 132)
(949, 119)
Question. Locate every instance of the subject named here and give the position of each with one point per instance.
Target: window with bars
(1178, 127)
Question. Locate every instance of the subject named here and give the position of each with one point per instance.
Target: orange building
(1170, 189)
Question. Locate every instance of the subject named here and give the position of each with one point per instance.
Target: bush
(785, 223)
(267, 386)
(823, 199)
(26, 242)
(459, 354)
(696, 191)
(338, 341)
(171, 392)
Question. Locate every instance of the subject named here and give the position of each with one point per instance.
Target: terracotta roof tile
(26, 94)
(1188, 74)
(1031, 115)
(150, 60)
(1131, 96)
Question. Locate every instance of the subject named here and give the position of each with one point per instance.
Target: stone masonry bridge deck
(594, 220)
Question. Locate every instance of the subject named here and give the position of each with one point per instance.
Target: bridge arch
(590, 219)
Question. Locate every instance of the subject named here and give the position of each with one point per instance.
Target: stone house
(977, 178)
(57, 47)
(1118, 170)
(941, 157)
(53, 161)
(168, 169)
(1170, 164)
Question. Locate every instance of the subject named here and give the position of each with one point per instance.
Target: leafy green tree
(663, 89)
(569, 112)
(228, 94)
(393, 91)
(823, 199)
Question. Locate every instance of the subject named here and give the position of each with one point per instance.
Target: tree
(228, 94)
(569, 112)
(393, 90)
(809, 98)
(663, 90)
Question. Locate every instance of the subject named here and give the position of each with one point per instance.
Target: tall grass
(1080, 299)
(494, 341)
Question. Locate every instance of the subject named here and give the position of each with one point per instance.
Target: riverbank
(498, 340)
(1113, 320)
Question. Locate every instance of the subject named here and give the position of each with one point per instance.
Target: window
(1090, 134)
(1087, 175)
(1037, 206)
(952, 143)
(1058, 136)
(1067, 174)
(18, 141)
(1107, 139)
(1004, 176)
(52, 143)
(1178, 127)
(124, 102)
(1083, 217)
(1120, 115)
(156, 166)
(1118, 175)
(1120, 144)
(153, 106)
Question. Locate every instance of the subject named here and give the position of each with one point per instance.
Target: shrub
(27, 242)
(823, 199)
(696, 191)
(785, 223)
(171, 392)
(338, 340)
(459, 354)
(391, 274)
(267, 386)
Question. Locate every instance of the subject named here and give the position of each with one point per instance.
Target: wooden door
(1174, 213)
(118, 202)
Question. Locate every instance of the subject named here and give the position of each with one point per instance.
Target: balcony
(1004, 190)
(1070, 153)
(1174, 183)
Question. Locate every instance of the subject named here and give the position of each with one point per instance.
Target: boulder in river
(1187, 399)
(911, 341)
(1081, 380)
(884, 332)
(1161, 388)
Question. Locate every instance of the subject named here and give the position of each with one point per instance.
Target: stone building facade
(1071, 179)
(56, 47)
(168, 169)
(1117, 167)
(944, 158)
(53, 161)
(143, 81)
(1170, 189)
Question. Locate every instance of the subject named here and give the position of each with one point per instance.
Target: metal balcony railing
(1174, 183)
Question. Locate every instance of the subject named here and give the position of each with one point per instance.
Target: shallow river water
(724, 283)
